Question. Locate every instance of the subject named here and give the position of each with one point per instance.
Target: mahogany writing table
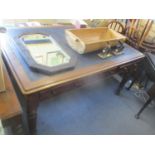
(36, 86)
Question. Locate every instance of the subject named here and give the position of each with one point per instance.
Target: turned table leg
(32, 105)
(151, 93)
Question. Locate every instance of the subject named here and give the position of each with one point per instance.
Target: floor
(1, 128)
(95, 109)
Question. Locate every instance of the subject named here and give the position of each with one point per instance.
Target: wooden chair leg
(142, 109)
(151, 93)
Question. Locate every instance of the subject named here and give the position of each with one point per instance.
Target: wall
(12, 22)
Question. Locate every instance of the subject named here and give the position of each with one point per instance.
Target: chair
(135, 35)
(145, 45)
(117, 26)
(132, 32)
(149, 67)
(133, 39)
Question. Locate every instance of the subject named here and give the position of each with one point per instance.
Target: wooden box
(91, 39)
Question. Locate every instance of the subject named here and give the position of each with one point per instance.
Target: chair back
(145, 45)
(135, 35)
(117, 26)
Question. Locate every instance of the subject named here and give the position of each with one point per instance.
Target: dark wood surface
(10, 109)
(35, 86)
(9, 104)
